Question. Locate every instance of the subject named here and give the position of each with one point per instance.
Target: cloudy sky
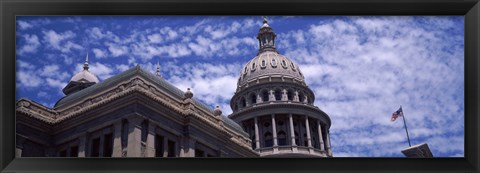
(361, 69)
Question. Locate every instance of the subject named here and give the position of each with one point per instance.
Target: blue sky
(361, 69)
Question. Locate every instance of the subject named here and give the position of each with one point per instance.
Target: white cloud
(28, 79)
(24, 25)
(31, 44)
(56, 83)
(122, 67)
(60, 41)
(155, 38)
(99, 53)
(117, 50)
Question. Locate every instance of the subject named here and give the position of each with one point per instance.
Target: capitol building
(137, 113)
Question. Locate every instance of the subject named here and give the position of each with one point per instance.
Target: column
(274, 130)
(134, 137)
(292, 132)
(82, 145)
(329, 150)
(309, 139)
(320, 138)
(150, 143)
(257, 139)
(117, 139)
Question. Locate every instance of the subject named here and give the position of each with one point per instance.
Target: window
(278, 95)
(296, 138)
(305, 140)
(171, 148)
(284, 64)
(282, 138)
(253, 66)
(280, 123)
(253, 98)
(266, 124)
(74, 151)
(268, 139)
(244, 102)
(293, 66)
(265, 96)
(274, 62)
(199, 153)
(95, 147)
(301, 97)
(108, 145)
(290, 95)
(159, 150)
(264, 63)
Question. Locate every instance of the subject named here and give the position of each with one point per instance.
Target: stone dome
(84, 77)
(269, 64)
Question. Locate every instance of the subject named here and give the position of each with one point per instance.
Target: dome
(269, 64)
(84, 77)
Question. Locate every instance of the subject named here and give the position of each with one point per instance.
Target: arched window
(268, 139)
(301, 97)
(253, 98)
(265, 96)
(282, 138)
(253, 66)
(290, 95)
(278, 94)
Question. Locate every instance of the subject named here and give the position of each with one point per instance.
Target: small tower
(81, 80)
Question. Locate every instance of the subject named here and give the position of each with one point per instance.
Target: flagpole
(405, 124)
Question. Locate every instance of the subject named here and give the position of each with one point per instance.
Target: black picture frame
(10, 8)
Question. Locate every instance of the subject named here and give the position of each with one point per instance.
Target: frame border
(11, 8)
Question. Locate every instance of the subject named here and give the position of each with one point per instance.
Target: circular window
(266, 124)
(280, 123)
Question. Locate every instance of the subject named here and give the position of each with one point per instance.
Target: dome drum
(271, 93)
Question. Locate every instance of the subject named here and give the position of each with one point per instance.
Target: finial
(85, 66)
(158, 70)
(217, 111)
(188, 93)
(265, 19)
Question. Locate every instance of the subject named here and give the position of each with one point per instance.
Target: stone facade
(134, 114)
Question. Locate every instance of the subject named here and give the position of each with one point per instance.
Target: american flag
(397, 114)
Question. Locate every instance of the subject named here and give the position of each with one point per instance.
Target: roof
(137, 70)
